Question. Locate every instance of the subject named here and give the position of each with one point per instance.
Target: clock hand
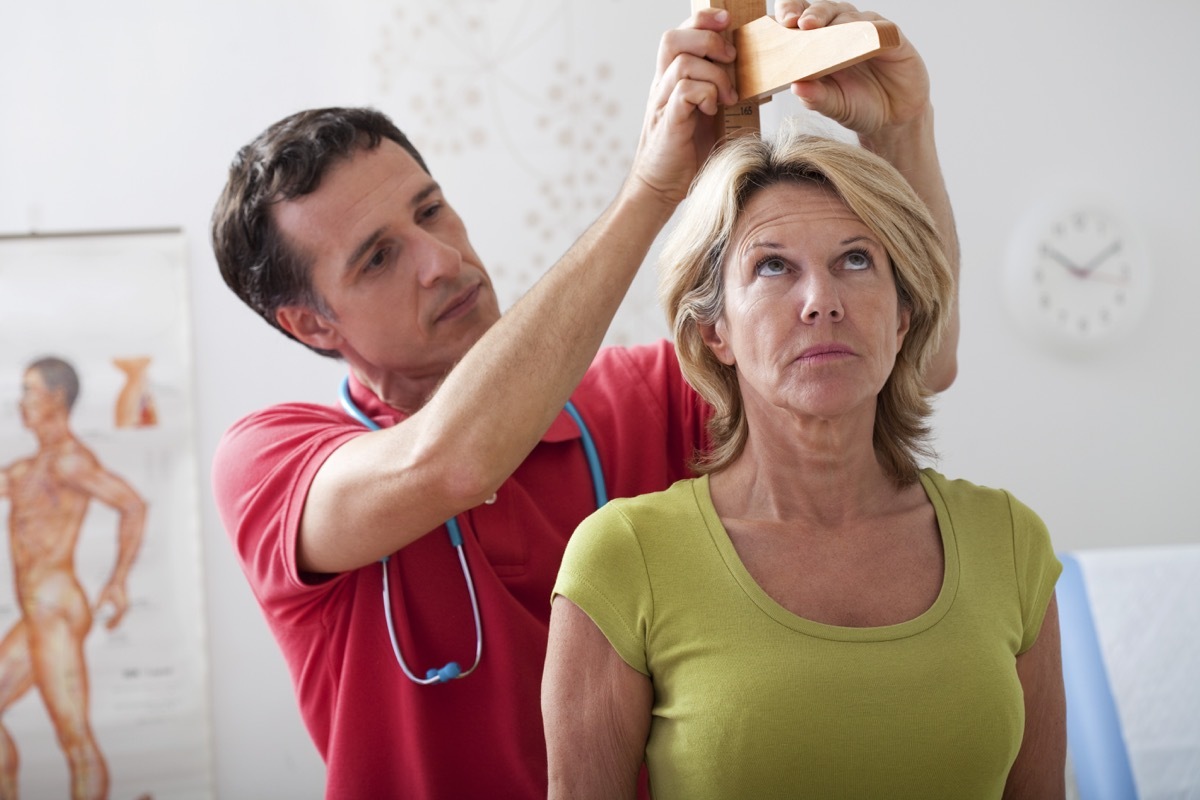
(1100, 257)
(1103, 277)
(1078, 272)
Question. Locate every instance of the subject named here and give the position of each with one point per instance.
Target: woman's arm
(596, 709)
(1041, 763)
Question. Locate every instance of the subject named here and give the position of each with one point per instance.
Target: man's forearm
(911, 149)
(523, 370)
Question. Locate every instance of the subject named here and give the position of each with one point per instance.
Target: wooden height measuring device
(771, 57)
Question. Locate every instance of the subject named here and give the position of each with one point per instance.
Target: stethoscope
(452, 671)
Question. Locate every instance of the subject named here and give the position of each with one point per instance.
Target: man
(49, 493)
(332, 229)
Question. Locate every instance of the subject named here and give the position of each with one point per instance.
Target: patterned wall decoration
(528, 115)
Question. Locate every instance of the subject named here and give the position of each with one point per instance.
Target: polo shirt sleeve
(686, 414)
(261, 473)
(1037, 568)
(604, 573)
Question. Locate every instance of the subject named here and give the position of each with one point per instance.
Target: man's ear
(309, 326)
(717, 340)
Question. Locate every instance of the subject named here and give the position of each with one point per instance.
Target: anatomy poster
(103, 684)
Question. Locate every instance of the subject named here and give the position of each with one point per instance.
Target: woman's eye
(857, 260)
(769, 267)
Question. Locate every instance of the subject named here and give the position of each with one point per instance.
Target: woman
(815, 615)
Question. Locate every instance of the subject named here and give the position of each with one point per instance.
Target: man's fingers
(813, 94)
(689, 95)
(787, 12)
(821, 14)
(710, 19)
(706, 44)
(692, 69)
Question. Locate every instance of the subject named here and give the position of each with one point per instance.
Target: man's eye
(431, 211)
(379, 258)
(769, 267)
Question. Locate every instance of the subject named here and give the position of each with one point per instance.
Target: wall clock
(1076, 274)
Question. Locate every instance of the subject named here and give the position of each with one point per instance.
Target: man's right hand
(690, 86)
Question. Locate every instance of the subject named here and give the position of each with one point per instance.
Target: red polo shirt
(380, 734)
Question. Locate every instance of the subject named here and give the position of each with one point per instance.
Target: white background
(126, 114)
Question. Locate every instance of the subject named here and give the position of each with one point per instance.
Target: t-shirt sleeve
(604, 573)
(1037, 568)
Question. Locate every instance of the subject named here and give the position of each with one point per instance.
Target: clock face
(1076, 275)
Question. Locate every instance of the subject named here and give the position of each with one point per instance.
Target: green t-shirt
(752, 701)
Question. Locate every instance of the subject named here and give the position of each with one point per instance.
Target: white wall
(126, 114)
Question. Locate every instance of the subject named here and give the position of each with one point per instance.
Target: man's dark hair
(286, 161)
(59, 376)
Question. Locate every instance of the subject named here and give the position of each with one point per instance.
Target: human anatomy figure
(49, 493)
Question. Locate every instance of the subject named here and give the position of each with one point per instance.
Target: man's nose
(439, 260)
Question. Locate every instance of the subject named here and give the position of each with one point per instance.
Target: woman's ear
(310, 327)
(905, 317)
(715, 336)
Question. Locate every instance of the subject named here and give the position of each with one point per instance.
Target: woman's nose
(821, 299)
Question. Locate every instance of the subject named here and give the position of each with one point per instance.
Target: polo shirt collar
(562, 429)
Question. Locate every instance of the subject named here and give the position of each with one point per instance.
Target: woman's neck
(822, 471)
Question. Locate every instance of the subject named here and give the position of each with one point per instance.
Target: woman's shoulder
(642, 518)
(681, 496)
(960, 492)
(967, 504)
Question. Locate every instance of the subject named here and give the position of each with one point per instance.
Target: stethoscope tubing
(451, 670)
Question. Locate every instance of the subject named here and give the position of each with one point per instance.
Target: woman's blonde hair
(691, 280)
